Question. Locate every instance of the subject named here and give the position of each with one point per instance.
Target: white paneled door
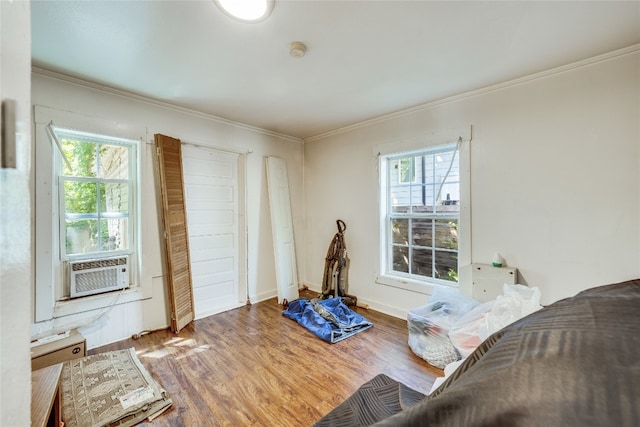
(213, 212)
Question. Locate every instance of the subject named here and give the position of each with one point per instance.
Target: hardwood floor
(254, 367)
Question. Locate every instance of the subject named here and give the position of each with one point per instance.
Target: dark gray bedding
(378, 398)
(573, 363)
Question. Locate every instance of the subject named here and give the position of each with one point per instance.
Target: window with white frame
(87, 187)
(97, 192)
(420, 214)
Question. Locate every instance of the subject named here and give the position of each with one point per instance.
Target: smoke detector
(297, 49)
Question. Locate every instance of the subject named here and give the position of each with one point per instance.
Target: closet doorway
(214, 193)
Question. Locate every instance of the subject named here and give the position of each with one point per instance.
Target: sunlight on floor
(175, 346)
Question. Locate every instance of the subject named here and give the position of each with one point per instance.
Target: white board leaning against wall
(282, 230)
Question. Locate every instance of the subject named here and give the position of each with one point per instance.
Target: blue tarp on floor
(329, 319)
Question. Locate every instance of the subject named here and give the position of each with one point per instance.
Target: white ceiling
(365, 58)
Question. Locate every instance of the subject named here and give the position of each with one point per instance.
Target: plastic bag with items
(429, 326)
(464, 333)
(516, 302)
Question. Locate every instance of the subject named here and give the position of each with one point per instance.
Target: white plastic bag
(516, 302)
(468, 331)
(464, 333)
(429, 326)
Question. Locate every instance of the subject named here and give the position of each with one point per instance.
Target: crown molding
(492, 88)
(397, 114)
(167, 105)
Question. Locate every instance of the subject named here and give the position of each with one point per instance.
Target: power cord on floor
(145, 332)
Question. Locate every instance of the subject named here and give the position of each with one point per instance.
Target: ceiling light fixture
(246, 10)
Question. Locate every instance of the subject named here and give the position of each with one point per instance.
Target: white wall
(554, 171)
(555, 182)
(15, 220)
(130, 116)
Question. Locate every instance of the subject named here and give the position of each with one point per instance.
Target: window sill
(413, 285)
(95, 302)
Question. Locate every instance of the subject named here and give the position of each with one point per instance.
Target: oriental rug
(109, 389)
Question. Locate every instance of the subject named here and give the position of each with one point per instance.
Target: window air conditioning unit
(91, 277)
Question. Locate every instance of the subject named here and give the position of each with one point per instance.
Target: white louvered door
(176, 241)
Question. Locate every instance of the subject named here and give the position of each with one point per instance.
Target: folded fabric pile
(329, 319)
(110, 389)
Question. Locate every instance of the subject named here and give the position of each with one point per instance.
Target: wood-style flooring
(254, 367)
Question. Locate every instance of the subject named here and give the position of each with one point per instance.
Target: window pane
(400, 198)
(82, 236)
(421, 262)
(400, 231)
(450, 198)
(422, 200)
(114, 234)
(114, 163)
(447, 265)
(447, 233)
(393, 172)
(400, 259)
(442, 164)
(421, 232)
(428, 169)
(407, 171)
(80, 197)
(114, 197)
(81, 156)
(447, 175)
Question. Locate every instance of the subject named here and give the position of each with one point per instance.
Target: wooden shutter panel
(176, 240)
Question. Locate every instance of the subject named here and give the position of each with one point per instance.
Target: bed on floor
(575, 362)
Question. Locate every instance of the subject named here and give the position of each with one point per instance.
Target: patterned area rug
(374, 401)
(109, 389)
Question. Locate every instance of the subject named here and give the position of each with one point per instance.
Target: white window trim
(464, 225)
(49, 269)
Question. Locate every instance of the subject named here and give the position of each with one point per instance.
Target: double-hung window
(87, 218)
(97, 192)
(420, 195)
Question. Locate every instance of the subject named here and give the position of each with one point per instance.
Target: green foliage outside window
(96, 196)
